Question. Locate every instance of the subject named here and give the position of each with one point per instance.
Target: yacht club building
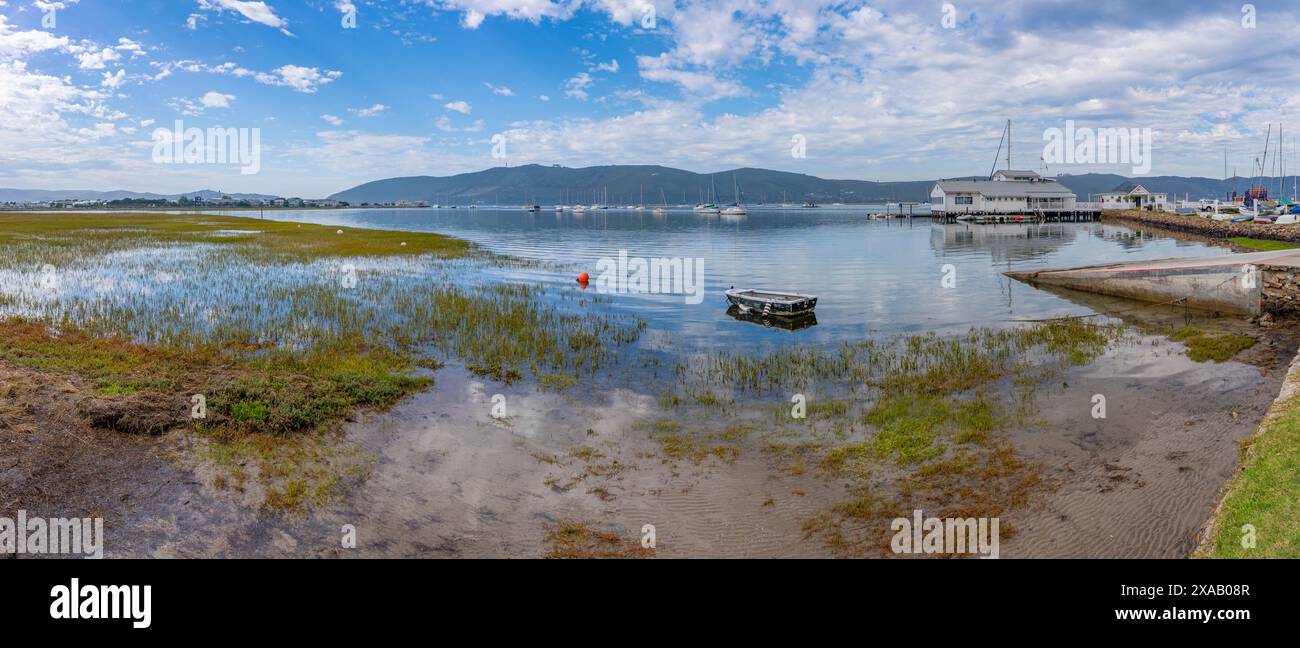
(1007, 193)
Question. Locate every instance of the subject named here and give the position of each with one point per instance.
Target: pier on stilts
(1078, 215)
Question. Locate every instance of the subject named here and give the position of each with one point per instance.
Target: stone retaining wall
(1280, 291)
(1209, 226)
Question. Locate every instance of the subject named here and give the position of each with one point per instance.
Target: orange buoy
(583, 278)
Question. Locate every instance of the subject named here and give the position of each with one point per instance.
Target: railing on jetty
(1084, 212)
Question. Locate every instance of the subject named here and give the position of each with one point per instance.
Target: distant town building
(1131, 196)
(1006, 193)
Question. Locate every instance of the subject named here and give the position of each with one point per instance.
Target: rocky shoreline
(1207, 226)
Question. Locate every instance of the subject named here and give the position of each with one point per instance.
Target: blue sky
(891, 90)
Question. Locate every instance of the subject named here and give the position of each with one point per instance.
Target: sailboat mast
(1008, 145)
(1268, 138)
(1281, 162)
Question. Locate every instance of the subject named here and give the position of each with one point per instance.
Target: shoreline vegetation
(914, 423)
(287, 330)
(281, 328)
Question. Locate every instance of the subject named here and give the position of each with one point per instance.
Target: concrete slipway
(1244, 284)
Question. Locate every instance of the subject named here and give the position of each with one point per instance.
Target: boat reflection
(797, 323)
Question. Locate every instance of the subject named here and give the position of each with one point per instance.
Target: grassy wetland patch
(64, 238)
(574, 539)
(283, 328)
(1207, 347)
(908, 423)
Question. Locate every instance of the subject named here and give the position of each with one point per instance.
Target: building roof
(1006, 188)
(1127, 188)
(1017, 174)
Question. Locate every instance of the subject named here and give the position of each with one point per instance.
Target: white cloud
(302, 79)
(500, 90)
(216, 100)
(97, 59)
(195, 107)
(257, 12)
(43, 5)
(612, 66)
(332, 120)
(473, 12)
(127, 45)
(17, 44)
(368, 112)
(472, 19)
(98, 131)
(458, 106)
(576, 87)
(113, 80)
(661, 68)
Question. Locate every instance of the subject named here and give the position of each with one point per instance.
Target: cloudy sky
(344, 92)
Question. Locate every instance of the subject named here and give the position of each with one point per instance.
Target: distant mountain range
(624, 184)
(43, 195)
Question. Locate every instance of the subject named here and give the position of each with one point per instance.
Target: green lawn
(1264, 495)
(1262, 244)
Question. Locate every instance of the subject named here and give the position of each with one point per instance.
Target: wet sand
(1141, 482)
(452, 481)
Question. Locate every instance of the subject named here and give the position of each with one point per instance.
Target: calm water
(873, 276)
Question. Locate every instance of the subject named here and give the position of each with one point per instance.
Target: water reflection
(797, 323)
(1005, 243)
(875, 277)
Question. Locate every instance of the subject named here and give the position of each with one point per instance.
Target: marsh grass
(577, 539)
(293, 473)
(285, 327)
(61, 239)
(904, 423)
(698, 447)
(924, 363)
(1206, 347)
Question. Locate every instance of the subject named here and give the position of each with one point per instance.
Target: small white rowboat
(772, 302)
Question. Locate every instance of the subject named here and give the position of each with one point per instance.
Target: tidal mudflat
(444, 398)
